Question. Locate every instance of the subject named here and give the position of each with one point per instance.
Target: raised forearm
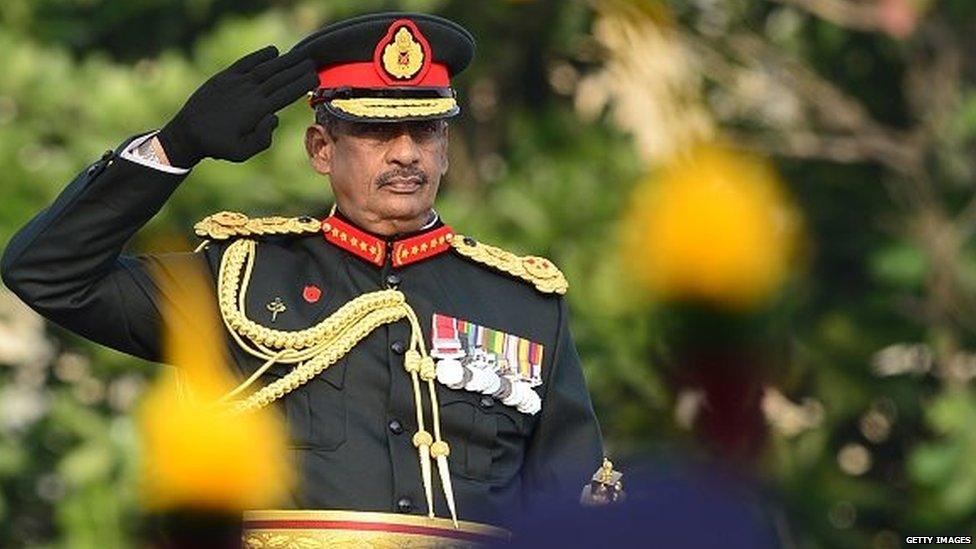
(67, 262)
(86, 227)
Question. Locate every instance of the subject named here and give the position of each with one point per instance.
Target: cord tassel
(440, 449)
(422, 441)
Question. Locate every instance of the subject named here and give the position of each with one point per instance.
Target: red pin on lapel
(311, 293)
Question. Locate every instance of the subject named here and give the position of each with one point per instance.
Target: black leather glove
(231, 116)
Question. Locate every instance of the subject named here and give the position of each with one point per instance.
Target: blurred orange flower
(713, 225)
(195, 454)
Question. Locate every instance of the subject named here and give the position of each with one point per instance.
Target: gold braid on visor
(314, 349)
(394, 107)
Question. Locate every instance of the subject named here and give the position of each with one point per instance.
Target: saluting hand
(231, 116)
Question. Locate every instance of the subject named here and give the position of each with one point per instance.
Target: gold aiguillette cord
(315, 349)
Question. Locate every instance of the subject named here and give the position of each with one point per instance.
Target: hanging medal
(487, 361)
(448, 351)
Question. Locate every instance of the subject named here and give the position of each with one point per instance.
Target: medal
(487, 361)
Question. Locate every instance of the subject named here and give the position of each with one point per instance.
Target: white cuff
(129, 153)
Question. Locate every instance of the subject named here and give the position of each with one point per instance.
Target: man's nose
(403, 149)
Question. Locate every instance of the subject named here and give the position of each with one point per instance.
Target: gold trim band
(390, 107)
(288, 528)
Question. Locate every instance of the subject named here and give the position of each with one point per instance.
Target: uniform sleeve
(67, 262)
(566, 447)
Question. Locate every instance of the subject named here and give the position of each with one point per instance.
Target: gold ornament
(539, 271)
(224, 225)
(605, 487)
(404, 56)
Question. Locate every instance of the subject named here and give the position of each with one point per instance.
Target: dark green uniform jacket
(351, 425)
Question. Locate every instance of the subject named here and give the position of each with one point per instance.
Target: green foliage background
(528, 172)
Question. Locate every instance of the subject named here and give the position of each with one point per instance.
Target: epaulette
(224, 225)
(537, 270)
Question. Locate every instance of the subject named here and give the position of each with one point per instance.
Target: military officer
(420, 371)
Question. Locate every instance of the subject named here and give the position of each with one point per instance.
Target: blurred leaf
(900, 265)
(87, 464)
(933, 465)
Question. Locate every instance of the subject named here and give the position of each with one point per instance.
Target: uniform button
(487, 402)
(395, 427)
(404, 505)
(469, 241)
(392, 280)
(398, 347)
(92, 169)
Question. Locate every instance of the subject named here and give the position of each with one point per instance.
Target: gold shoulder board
(537, 270)
(224, 225)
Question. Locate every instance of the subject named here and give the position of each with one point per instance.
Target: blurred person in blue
(422, 373)
(662, 503)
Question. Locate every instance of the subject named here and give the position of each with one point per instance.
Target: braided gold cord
(315, 349)
(240, 255)
(305, 371)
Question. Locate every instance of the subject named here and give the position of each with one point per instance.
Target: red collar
(418, 247)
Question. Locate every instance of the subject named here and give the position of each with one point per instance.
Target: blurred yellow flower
(714, 225)
(195, 454)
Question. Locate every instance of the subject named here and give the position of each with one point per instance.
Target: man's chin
(405, 206)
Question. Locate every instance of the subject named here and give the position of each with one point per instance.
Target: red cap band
(364, 75)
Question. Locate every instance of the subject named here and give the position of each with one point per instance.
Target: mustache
(405, 173)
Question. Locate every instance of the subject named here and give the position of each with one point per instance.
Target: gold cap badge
(403, 58)
(403, 54)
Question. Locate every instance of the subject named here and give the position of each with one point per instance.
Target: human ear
(319, 145)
